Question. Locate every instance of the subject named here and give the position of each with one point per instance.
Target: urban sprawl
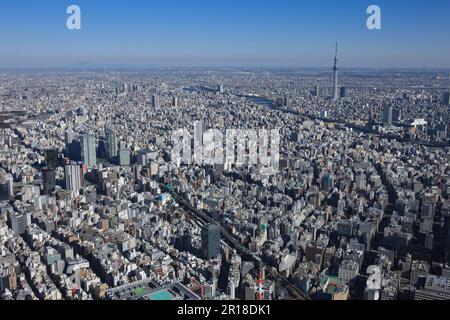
(93, 204)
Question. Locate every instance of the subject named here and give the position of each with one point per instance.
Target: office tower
(4, 191)
(141, 158)
(428, 209)
(220, 88)
(317, 90)
(88, 150)
(210, 235)
(73, 146)
(73, 150)
(175, 102)
(111, 144)
(396, 114)
(324, 114)
(285, 102)
(19, 221)
(74, 176)
(124, 157)
(6, 188)
(101, 149)
(387, 115)
(49, 180)
(342, 92)
(155, 101)
(447, 98)
(335, 75)
(52, 158)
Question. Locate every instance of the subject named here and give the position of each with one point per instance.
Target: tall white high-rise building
(111, 143)
(88, 150)
(74, 177)
(387, 115)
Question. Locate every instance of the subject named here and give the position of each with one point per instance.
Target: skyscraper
(73, 149)
(317, 90)
(142, 158)
(396, 114)
(124, 157)
(49, 180)
(342, 92)
(387, 115)
(111, 144)
(210, 241)
(88, 150)
(4, 191)
(335, 78)
(175, 102)
(74, 177)
(6, 188)
(52, 158)
(155, 101)
(447, 98)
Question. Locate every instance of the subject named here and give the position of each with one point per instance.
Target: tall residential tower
(88, 150)
(111, 144)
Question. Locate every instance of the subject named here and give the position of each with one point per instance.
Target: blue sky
(415, 33)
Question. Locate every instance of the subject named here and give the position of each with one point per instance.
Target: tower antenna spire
(335, 74)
